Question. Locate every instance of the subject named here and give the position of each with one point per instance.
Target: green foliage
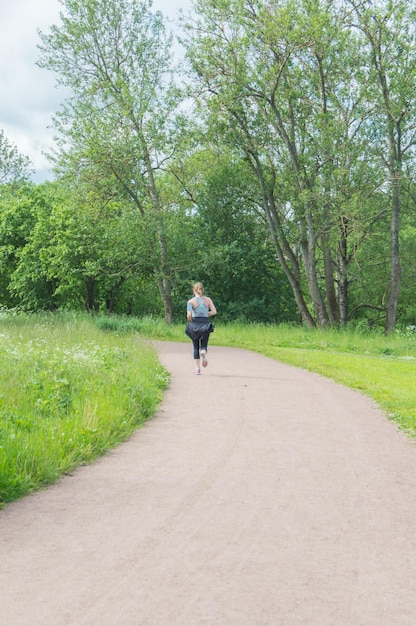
(120, 123)
(407, 302)
(276, 194)
(233, 255)
(311, 94)
(14, 167)
(60, 251)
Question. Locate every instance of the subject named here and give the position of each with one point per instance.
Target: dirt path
(260, 495)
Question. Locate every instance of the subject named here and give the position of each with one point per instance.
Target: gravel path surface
(259, 495)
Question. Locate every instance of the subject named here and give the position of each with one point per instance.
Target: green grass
(73, 386)
(68, 392)
(382, 367)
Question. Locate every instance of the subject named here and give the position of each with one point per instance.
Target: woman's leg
(204, 343)
(203, 351)
(196, 344)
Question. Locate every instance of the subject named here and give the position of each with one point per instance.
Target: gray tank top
(201, 310)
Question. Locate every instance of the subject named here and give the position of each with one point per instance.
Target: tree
(14, 167)
(272, 84)
(118, 128)
(58, 249)
(17, 219)
(390, 59)
(289, 84)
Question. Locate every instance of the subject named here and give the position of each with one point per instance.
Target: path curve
(260, 495)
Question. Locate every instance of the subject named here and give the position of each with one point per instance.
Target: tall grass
(68, 392)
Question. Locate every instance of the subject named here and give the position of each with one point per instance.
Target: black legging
(200, 344)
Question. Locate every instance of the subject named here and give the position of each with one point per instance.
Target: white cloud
(29, 97)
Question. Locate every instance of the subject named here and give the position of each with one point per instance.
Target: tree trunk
(89, 301)
(343, 282)
(163, 272)
(165, 290)
(395, 272)
(331, 298)
(308, 247)
(111, 299)
(284, 252)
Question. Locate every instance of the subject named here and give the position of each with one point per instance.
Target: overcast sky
(28, 96)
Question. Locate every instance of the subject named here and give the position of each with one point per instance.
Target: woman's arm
(189, 308)
(211, 308)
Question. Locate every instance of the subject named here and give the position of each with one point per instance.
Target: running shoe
(197, 371)
(204, 358)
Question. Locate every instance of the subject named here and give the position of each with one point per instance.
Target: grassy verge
(382, 367)
(69, 391)
(71, 387)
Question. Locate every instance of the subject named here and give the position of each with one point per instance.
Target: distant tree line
(276, 165)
